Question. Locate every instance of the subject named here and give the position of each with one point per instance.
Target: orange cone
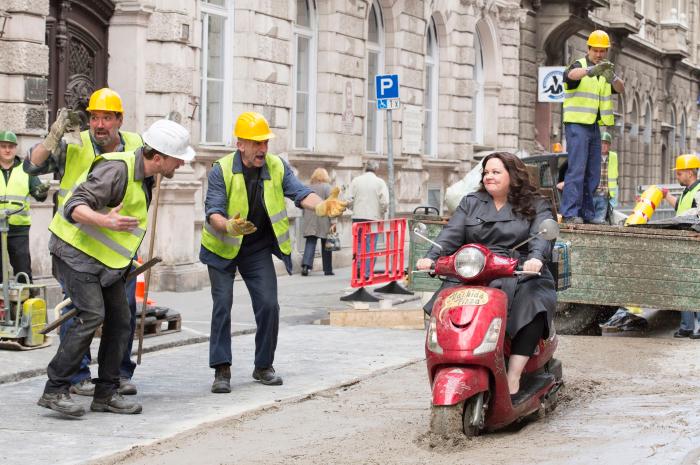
(141, 286)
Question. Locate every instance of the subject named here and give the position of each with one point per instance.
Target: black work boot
(222, 380)
(267, 376)
(61, 402)
(115, 404)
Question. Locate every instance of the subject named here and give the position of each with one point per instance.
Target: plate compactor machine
(22, 313)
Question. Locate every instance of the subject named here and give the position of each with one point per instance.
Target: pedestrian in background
(246, 224)
(67, 162)
(369, 199)
(18, 186)
(589, 84)
(317, 227)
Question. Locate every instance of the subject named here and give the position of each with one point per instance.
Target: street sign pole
(390, 164)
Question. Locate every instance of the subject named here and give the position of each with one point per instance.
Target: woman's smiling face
(496, 178)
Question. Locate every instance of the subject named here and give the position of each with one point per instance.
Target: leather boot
(61, 402)
(115, 404)
(222, 380)
(267, 376)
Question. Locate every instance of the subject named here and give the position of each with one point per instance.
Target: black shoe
(695, 336)
(61, 402)
(267, 376)
(329, 273)
(304, 270)
(222, 380)
(573, 220)
(126, 387)
(115, 404)
(683, 333)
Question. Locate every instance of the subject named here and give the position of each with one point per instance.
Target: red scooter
(467, 350)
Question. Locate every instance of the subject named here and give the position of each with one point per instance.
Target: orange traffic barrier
(378, 252)
(649, 200)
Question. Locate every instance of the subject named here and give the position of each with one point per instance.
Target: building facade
(468, 77)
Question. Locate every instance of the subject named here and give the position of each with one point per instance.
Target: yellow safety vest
(227, 246)
(612, 173)
(16, 189)
(593, 95)
(79, 160)
(112, 248)
(685, 202)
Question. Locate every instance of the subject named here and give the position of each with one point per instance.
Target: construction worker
(687, 175)
(67, 162)
(588, 87)
(18, 186)
(246, 223)
(93, 244)
(605, 195)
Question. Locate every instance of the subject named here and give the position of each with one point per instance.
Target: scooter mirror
(548, 229)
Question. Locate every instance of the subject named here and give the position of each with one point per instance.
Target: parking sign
(387, 87)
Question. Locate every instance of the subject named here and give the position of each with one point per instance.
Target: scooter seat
(530, 385)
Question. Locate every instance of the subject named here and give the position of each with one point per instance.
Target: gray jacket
(317, 225)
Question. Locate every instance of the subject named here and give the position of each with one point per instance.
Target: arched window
(304, 111)
(216, 76)
(682, 133)
(646, 139)
(478, 77)
(375, 65)
(672, 144)
(432, 75)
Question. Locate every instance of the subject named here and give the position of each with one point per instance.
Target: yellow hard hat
(105, 100)
(252, 126)
(599, 39)
(688, 161)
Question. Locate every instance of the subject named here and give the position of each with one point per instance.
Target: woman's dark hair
(522, 193)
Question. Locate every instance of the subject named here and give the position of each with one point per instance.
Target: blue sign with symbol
(387, 86)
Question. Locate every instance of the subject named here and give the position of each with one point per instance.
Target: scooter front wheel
(466, 417)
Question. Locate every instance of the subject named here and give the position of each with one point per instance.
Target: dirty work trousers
(97, 305)
(258, 273)
(583, 175)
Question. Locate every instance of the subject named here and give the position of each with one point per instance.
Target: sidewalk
(174, 390)
(302, 301)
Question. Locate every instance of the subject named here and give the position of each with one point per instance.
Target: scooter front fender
(455, 384)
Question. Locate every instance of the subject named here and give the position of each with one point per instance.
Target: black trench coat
(477, 220)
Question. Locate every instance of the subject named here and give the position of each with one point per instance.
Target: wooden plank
(396, 318)
(648, 286)
(620, 298)
(581, 256)
(638, 244)
(659, 272)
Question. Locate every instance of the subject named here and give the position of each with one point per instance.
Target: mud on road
(626, 401)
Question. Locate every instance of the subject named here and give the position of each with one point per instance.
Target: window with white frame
(304, 111)
(375, 65)
(478, 77)
(216, 78)
(430, 108)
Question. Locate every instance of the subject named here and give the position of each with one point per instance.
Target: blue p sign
(387, 85)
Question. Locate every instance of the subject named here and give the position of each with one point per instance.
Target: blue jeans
(583, 175)
(600, 206)
(127, 367)
(688, 320)
(310, 250)
(258, 273)
(97, 305)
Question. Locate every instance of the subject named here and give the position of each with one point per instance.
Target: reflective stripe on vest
(612, 173)
(16, 189)
(685, 202)
(79, 160)
(226, 246)
(593, 95)
(112, 248)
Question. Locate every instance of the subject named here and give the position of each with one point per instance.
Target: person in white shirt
(369, 199)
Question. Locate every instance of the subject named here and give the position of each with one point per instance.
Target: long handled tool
(72, 312)
(147, 278)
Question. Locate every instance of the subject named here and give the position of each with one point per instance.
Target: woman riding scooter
(505, 212)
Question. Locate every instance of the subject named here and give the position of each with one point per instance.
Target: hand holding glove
(609, 75)
(332, 206)
(599, 69)
(65, 120)
(238, 226)
(42, 188)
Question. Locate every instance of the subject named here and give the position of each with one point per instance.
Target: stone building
(468, 74)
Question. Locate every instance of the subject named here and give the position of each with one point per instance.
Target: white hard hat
(169, 138)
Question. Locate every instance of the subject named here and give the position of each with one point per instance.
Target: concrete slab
(174, 390)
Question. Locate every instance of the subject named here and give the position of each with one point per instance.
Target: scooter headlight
(432, 339)
(490, 339)
(469, 262)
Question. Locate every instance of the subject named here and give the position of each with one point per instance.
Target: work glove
(609, 75)
(332, 206)
(42, 189)
(599, 69)
(238, 226)
(65, 120)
